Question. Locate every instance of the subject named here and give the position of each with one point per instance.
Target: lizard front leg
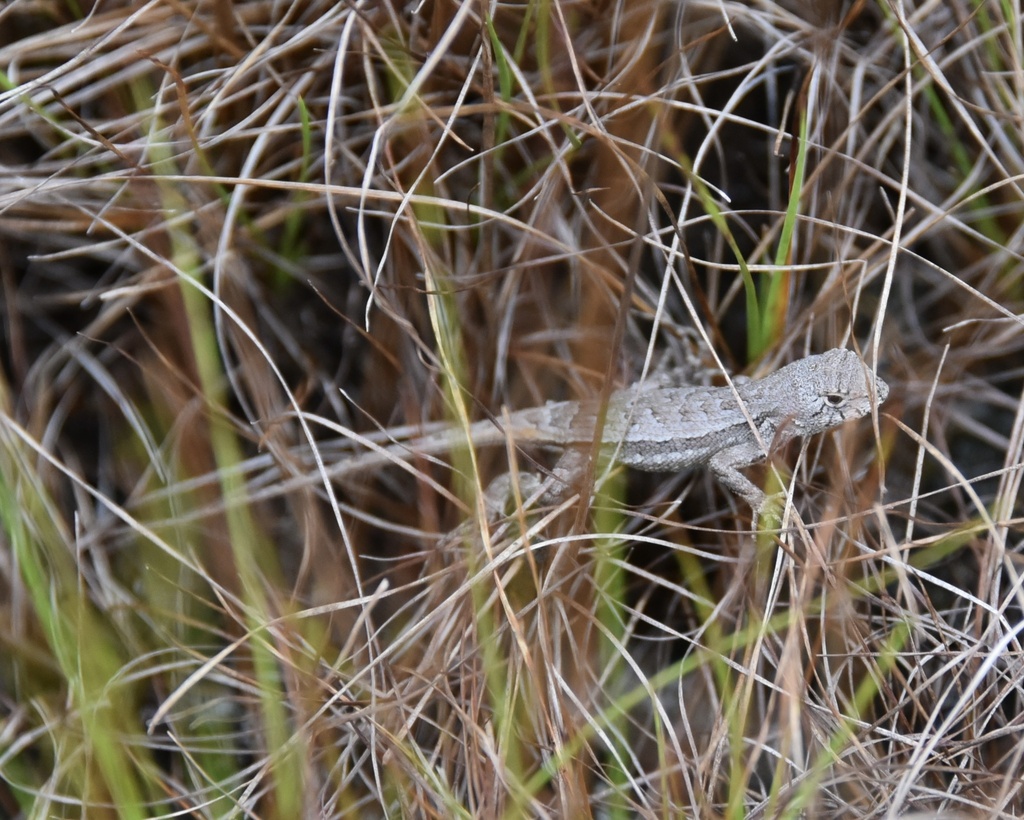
(725, 464)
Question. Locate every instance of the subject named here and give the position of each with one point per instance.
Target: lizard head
(829, 389)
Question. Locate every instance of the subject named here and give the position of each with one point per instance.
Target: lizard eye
(834, 399)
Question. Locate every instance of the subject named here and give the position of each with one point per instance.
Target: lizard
(665, 429)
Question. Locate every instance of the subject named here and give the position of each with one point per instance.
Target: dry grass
(239, 240)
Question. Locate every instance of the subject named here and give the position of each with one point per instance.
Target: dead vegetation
(240, 242)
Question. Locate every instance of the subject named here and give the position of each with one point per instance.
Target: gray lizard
(667, 429)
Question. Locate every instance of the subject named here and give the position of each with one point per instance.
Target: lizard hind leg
(534, 489)
(501, 494)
